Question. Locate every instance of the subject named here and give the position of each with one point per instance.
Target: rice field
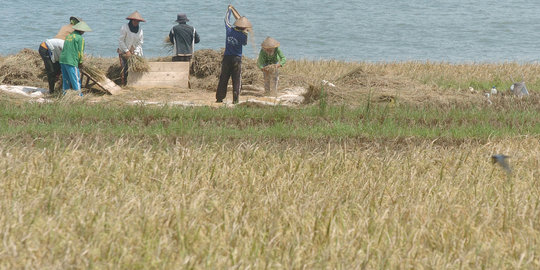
(390, 169)
(133, 204)
(92, 186)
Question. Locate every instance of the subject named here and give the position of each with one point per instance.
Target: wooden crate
(161, 74)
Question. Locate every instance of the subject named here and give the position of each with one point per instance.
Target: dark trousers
(52, 69)
(181, 58)
(231, 66)
(124, 71)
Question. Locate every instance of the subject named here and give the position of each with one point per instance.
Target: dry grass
(23, 68)
(153, 204)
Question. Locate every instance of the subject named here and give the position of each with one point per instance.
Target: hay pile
(206, 63)
(23, 68)
(361, 77)
(206, 68)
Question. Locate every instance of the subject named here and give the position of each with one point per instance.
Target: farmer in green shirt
(72, 57)
(270, 60)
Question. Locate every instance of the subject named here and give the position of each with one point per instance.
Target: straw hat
(75, 18)
(269, 43)
(82, 26)
(243, 22)
(135, 16)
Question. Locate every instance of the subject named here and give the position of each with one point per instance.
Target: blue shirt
(235, 39)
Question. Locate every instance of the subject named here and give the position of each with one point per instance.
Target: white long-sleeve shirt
(55, 46)
(128, 39)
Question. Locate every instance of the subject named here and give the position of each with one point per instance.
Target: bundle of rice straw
(92, 71)
(136, 63)
(168, 45)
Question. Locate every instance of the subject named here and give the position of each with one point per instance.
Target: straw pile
(23, 68)
(206, 68)
(206, 63)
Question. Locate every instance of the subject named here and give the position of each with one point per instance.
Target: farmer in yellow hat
(270, 60)
(231, 66)
(130, 41)
(72, 58)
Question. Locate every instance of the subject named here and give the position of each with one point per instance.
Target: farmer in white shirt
(130, 41)
(50, 51)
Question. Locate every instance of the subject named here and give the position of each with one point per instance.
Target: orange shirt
(64, 31)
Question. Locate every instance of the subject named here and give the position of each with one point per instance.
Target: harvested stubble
(301, 206)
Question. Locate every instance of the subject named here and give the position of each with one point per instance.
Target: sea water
(351, 30)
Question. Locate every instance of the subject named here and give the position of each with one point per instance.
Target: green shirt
(73, 51)
(265, 59)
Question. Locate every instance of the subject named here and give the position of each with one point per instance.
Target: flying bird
(502, 161)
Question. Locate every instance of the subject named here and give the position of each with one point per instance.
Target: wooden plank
(110, 86)
(161, 74)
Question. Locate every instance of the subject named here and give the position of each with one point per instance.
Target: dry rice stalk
(137, 63)
(93, 71)
(168, 45)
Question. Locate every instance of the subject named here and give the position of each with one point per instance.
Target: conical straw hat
(243, 22)
(82, 26)
(270, 43)
(78, 19)
(135, 16)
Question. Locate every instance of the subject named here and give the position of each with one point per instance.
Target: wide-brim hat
(82, 26)
(75, 18)
(181, 17)
(135, 16)
(243, 22)
(270, 43)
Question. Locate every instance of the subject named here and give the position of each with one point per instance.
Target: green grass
(379, 122)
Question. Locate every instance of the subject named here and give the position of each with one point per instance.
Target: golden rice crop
(141, 203)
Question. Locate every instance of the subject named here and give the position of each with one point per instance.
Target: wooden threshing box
(161, 74)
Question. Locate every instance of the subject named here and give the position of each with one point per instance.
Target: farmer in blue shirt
(236, 37)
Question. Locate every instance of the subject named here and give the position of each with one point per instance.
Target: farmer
(130, 41)
(68, 28)
(270, 60)
(50, 51)
(183, 37)
(71, 58)
(232, 58)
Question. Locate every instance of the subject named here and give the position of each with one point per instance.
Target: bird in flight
(502, 161)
